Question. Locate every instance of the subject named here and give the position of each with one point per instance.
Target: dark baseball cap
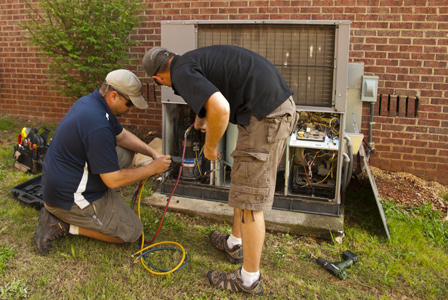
(154, 58)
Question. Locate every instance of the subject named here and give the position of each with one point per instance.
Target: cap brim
(156, 82)
(139, 102)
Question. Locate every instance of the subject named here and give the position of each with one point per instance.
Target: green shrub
(84, 39)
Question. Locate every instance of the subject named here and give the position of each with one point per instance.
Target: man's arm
(217, 118)
(126, 177)
(129, 141)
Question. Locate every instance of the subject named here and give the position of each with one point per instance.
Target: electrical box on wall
(313, 58)
(369, 88)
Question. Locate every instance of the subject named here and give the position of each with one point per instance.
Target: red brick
(435, 49)
(403, 150)
(435, 79)
(420, 85)
(384, 104)
(419, 129)
(402, 135)
(388, 48)
(431, 93)
(416, 143)
(424, 25)
(355, 10)
(397, 86)
(401, 106)
(414, 157)
(391, 155)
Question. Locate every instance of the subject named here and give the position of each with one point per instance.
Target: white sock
(249, 277)
(232, 241)
(73, 230)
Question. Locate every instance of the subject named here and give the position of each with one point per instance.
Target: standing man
(228, 83)
(88, 157)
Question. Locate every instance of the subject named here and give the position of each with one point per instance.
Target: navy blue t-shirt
(83, 146)
(250, 82)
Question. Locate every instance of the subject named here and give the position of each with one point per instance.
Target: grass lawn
(411, 265)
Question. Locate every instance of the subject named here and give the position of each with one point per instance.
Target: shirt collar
(99, 99)
(172, 67)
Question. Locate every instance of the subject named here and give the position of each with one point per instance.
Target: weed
(6, 253)
(423, 219)
(444, 196)
(13, 290)
(279, 256)
(7, 124)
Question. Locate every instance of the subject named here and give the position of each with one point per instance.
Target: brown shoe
(49, 229)
(219, 241)
(233, 282)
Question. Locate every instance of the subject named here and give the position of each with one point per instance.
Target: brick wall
(404, 42)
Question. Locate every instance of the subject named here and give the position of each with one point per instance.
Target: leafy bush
(84, 39)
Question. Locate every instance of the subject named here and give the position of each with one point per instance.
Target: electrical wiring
(141, 255)
(309, 163)
(197, 159)
(304, 167)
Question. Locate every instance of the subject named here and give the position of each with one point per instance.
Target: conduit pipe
(372, 108)
(344, 176)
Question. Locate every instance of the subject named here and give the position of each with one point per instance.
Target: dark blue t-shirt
(250, 83)
(83, 146)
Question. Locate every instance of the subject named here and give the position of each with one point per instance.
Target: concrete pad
(305, 224)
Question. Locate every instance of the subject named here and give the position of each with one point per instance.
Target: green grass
(411, 265)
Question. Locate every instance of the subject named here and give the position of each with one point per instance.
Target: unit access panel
(314, 154)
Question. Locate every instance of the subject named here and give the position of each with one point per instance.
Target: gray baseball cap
(154, 58)
(127, 83)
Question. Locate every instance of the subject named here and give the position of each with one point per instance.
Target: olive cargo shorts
(259, 150)
(109, 215)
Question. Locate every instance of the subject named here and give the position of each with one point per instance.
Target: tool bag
(29, 153)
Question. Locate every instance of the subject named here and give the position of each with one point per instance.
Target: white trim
(79, 198)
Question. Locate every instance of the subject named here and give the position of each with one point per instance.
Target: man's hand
(211, 154)
(200, 124)
(125, 177)
(161, 163)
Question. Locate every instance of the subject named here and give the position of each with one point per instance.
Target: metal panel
(317, 78)
(179, 38)
(304, 54)
(341, 74)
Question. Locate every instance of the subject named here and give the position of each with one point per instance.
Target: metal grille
(304, 54)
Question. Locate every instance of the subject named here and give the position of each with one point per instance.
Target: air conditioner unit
(313, 58)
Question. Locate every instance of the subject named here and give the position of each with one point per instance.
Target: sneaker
(233, 282)
(49, 229)
(219, 241)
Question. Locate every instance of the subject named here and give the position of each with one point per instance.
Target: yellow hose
(143, 249)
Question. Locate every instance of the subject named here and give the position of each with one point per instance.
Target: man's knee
(125, 157)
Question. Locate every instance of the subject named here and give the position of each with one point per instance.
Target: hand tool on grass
(338, 268)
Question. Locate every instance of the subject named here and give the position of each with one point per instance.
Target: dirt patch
(144, 134)
(409, 190)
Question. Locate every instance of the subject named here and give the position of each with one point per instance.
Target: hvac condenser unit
(313, 58)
